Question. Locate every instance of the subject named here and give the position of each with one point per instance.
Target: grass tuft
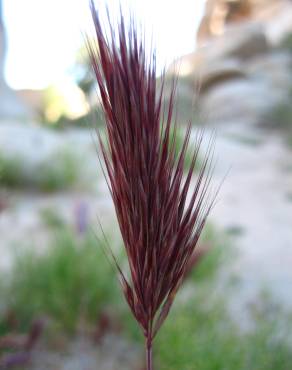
(215, 342)
(60, 171)
(72, 280)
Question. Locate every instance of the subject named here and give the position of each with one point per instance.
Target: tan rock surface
(219, 14)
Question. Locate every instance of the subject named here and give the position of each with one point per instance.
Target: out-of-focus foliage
(70, 281)
(200, 333)
(201, 336)
(83, 71)
(279, 117)
(67, 102)
(286, 42)
(64, 101)
(60, 171)
(218, 252)
(73, 281)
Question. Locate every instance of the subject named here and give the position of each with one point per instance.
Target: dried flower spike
(159, 227)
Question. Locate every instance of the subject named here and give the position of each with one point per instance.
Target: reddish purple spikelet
(160, 229)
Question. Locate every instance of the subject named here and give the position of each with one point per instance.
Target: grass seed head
(159, 226)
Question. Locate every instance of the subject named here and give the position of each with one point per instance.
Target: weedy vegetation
(201, 318)
(279, 119)
(60, 171)
(216, 342)
(70, 281)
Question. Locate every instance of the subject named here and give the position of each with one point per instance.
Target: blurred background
(60, 304)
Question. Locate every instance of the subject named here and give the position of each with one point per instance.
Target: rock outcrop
(219, 14)
(245, 71)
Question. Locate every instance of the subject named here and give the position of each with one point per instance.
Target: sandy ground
(112, 354)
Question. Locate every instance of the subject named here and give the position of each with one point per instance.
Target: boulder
(239, 100)
(216, 73)
(279, 23)
(239, 41)
(274, 67)
(219, 14)
(185, 96)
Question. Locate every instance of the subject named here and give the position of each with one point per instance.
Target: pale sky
(43, 35)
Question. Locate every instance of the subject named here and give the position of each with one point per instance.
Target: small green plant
(215, 342)
(10, 171)
(70, 281)
(216, 246)
(279, 118)
(51, 218)
(58, 172)
(286, 42)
